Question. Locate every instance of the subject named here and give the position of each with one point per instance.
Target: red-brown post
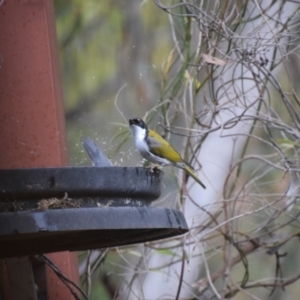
(32, 125)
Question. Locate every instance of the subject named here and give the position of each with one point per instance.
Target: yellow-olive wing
(160, 147)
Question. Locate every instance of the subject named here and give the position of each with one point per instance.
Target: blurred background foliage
(104, 45)
(117, 62)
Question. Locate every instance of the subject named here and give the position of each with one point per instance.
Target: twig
(62, 277)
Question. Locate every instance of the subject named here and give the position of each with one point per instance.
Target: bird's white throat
(139, 135)
(138, 132)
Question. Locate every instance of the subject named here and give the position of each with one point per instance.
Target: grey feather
(152, 142)
(98, 158)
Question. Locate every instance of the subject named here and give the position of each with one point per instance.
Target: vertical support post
(32, 125)
(20, 278)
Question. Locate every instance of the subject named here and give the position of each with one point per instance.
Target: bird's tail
(189, 170)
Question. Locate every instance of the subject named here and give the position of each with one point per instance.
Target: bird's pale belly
(143, 149)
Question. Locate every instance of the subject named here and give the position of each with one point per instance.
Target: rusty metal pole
(32, 125)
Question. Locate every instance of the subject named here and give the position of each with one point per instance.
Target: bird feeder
(77, 208)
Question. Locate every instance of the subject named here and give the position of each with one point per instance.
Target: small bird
(156, 149)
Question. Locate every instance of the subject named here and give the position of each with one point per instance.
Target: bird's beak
(131, 122)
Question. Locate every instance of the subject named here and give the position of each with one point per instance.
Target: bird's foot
(154, 168)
